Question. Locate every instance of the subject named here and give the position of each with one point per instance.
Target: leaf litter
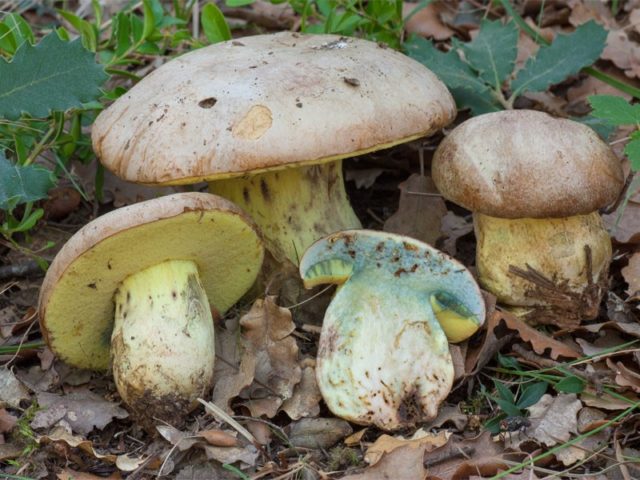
(265, 372)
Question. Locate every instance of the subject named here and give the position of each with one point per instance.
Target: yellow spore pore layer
(554, 247)
(80, 310)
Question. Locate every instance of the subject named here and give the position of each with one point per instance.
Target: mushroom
(137, 286)
(267, 120)
(534, 184)
(383, 358)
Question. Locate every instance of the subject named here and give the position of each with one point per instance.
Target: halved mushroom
(383, 357)
(138, 284)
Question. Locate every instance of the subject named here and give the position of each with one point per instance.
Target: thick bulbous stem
(162, 349)
(572, 253)
(293, 207)
(383, 358)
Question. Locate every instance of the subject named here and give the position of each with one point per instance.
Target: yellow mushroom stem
(293, 207)
(162, 348)
(557, 248)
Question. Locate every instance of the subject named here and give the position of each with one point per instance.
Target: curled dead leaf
(426, 441)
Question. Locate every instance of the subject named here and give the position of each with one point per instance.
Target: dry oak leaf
(427, 21)
(420, 210)
(266, 335)
(631, 274)
(625, 376)
(257, 360)
(68, 474)
(426, 441)
(83, 410)
(404, 463)
(623, 52)
(459, 459)
(305, 401)
(539, 341)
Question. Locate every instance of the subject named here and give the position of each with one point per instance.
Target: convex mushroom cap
(138, 285)
(535, 184)
(526, 164)
(383, 357)
(286, 106)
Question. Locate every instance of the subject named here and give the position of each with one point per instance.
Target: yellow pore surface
(554, 247)
(80, 311)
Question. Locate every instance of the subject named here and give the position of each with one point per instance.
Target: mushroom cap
(265, 102)
(76, 300)
(524, 163)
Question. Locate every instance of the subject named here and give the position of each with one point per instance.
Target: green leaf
(493, 52)
(87, 31)
(616, 110)
(238, 3)
(531, 394)
(600, 125)
(504, 392)
(53, 75)
(447, 66)
(570, 384)
(508, 407)
(478, 103)
(149, 19)
(214, 25)
(567, 55)
(20, 184)
(632, 151)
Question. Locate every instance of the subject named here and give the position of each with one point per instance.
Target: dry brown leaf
(634, 19)
(582, 12)
(68, 474)
(7, 421)
(305, 401)
(420, 210)
(592, 86)
(623, 52)
(355, 438)
(625, 376)
(219, 438)
(266, 334)
(83, 410)
(554, 419)
(550, 103)
(450, 413)
(631, 274)
(539, 341)
(318, 432)
(427, 22)
(604, 401)
(404, 463)
(426, 441)
(12, 391)
(260, 365)
(363, 177)
(452, 228)
(60, 434)
(459, 459)
(248, 454)
(9, 451)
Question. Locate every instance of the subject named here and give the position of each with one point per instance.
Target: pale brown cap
(526, 164)
(76, 305)
(268, 101)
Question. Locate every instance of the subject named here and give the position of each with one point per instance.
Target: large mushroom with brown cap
(267, 120)
(535, 184)
(136, 287)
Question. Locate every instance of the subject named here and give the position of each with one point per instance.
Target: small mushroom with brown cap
(137, 286)
(267, 120)
(534, 184)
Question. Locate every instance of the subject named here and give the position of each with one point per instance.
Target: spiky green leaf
(20, 184)
(447, 66)
(53, 75)
(566, 56)
(614, 109)
(493, 52)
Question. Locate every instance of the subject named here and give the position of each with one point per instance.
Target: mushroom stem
(162, 347)
(293, 207)
(553, 248)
